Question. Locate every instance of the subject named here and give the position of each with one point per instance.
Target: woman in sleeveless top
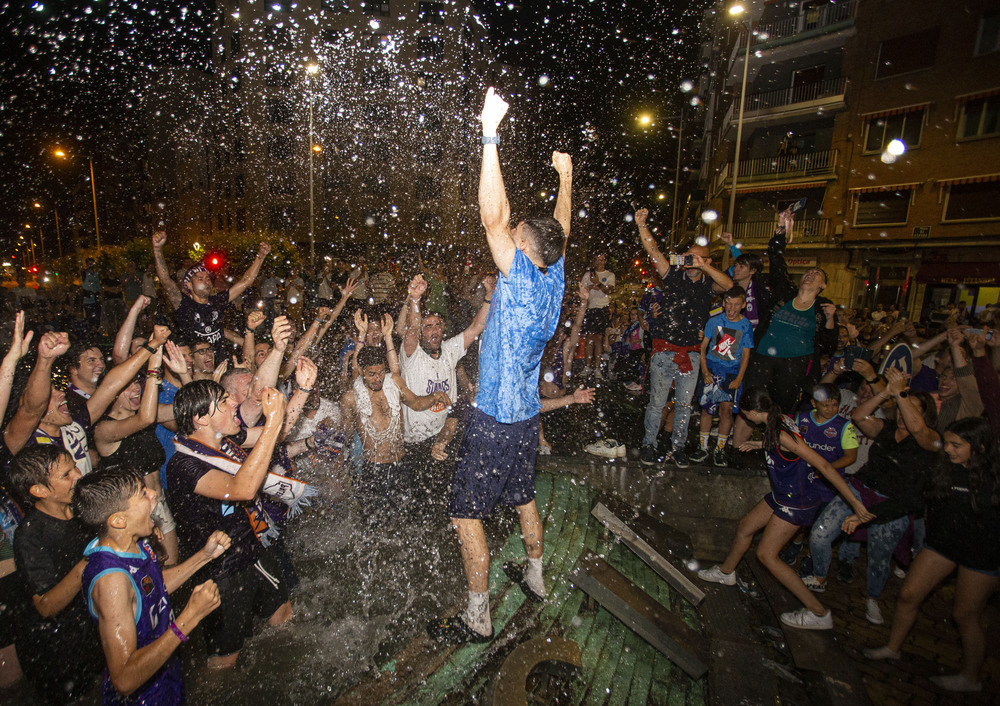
(126, 439)
(792, 503)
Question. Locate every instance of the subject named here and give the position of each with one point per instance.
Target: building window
(371, 7)
(278, 37)
(234, 44)
(278, 76)
(980, 118)
(427, 188)
(280, 184)
(431, 13)
(882, 208)
(904, 55)
(988, 39)
(241, 220)
(282, 218)
(241, 186)
(279, 111)
(883, 130)
(336, 6)
(430, 48)
(229, 220)
(280, 147)
(973, 202)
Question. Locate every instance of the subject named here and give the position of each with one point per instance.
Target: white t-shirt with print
(598, 299)
(425, 375)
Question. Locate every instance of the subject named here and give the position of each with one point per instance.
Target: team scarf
(228, 459)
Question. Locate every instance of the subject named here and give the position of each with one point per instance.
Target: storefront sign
(920, 232)
(800, 261)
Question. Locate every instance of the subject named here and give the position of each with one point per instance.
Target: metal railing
(815, 18)
(795, 94)
(807, 230)
(820, 164)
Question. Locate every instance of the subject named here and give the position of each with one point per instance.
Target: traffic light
(215, 261)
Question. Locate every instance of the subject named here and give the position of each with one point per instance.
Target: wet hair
(196, 399)
(227, 377)
(98, 496)
(548, 237)
(734, 292)
(826, 391)
(984, 464)
(75, 351)
(371, 355)
(757, 399)
(32, 466)
(751, 260)
(929, 407)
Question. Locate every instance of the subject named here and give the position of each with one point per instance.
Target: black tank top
(140, 452)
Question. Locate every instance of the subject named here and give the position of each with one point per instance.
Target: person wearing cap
(198, 313)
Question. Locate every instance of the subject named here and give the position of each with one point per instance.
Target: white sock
(721, 443)
(703, 438)
(477, 615)
(533, 576)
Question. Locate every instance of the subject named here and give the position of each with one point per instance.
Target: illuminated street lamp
(311, 70)
(737, 10)
(61, 154)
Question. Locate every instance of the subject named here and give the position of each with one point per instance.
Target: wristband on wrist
(299, 387)
(177, 631)
(149, 348)
(491, 140)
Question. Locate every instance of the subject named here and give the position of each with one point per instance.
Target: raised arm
(801, 448)
(254, 319)
(108, 432)
(494, 209)
(305, 381)
(18, 348)
(121, 375)
(251, 274)
(123, 339)
(244, 485)
(564, 201)
(649, 243)
(267, 374)
(479, 323)
(166, 281)
(408, 322)
(37, 391)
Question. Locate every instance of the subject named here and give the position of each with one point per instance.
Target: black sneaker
(680, 458)
(719, 459)
(648, 456)
(699, 455)
(791, 553)
(845, 572)
(806, 568)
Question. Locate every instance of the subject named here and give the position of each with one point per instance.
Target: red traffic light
(33, 269)
(215, 261)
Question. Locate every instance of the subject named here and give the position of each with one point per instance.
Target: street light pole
(311, 69)
(677, 179)
(739, 134)
(58, 237)
(93, 193)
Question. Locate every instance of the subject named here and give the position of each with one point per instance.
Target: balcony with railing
(779, 105)
(807, 231)
(815, 21)
(793, 169)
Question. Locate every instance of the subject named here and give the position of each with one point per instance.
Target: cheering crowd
(176, 458)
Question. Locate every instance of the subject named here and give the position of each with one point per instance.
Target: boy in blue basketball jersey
(128, 595)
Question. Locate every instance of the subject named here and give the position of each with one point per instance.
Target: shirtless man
(372, 407)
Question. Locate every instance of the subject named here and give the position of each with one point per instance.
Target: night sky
(73, 73)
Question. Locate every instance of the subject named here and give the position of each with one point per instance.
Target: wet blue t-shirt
(523, 317)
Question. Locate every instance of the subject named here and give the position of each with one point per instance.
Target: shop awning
(978, 179)
(754, 188)
(976, 95)
(896, 111)
(885, 187)
(959, 273)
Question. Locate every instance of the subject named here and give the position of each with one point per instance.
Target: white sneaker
(805, 619)
(880, 653)
(633, 387)
(873, 614)
(607, 448)
(717, 575)
(956, 682)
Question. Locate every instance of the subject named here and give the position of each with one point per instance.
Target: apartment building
(348, 120)
(885, 116)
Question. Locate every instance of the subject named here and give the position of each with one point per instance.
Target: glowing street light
(736, 9)
(61, 154)
(645, 119)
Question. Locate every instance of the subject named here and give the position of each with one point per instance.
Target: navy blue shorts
(496, 466)
(799, 516)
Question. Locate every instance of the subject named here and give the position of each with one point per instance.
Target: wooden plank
(671, 574)
(603, 676)
(732, 664)
(664, 538)
(641, 613)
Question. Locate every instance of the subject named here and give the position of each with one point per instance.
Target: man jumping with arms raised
(496, 458)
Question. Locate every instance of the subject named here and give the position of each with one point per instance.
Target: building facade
(336, 120)
(885, 116)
